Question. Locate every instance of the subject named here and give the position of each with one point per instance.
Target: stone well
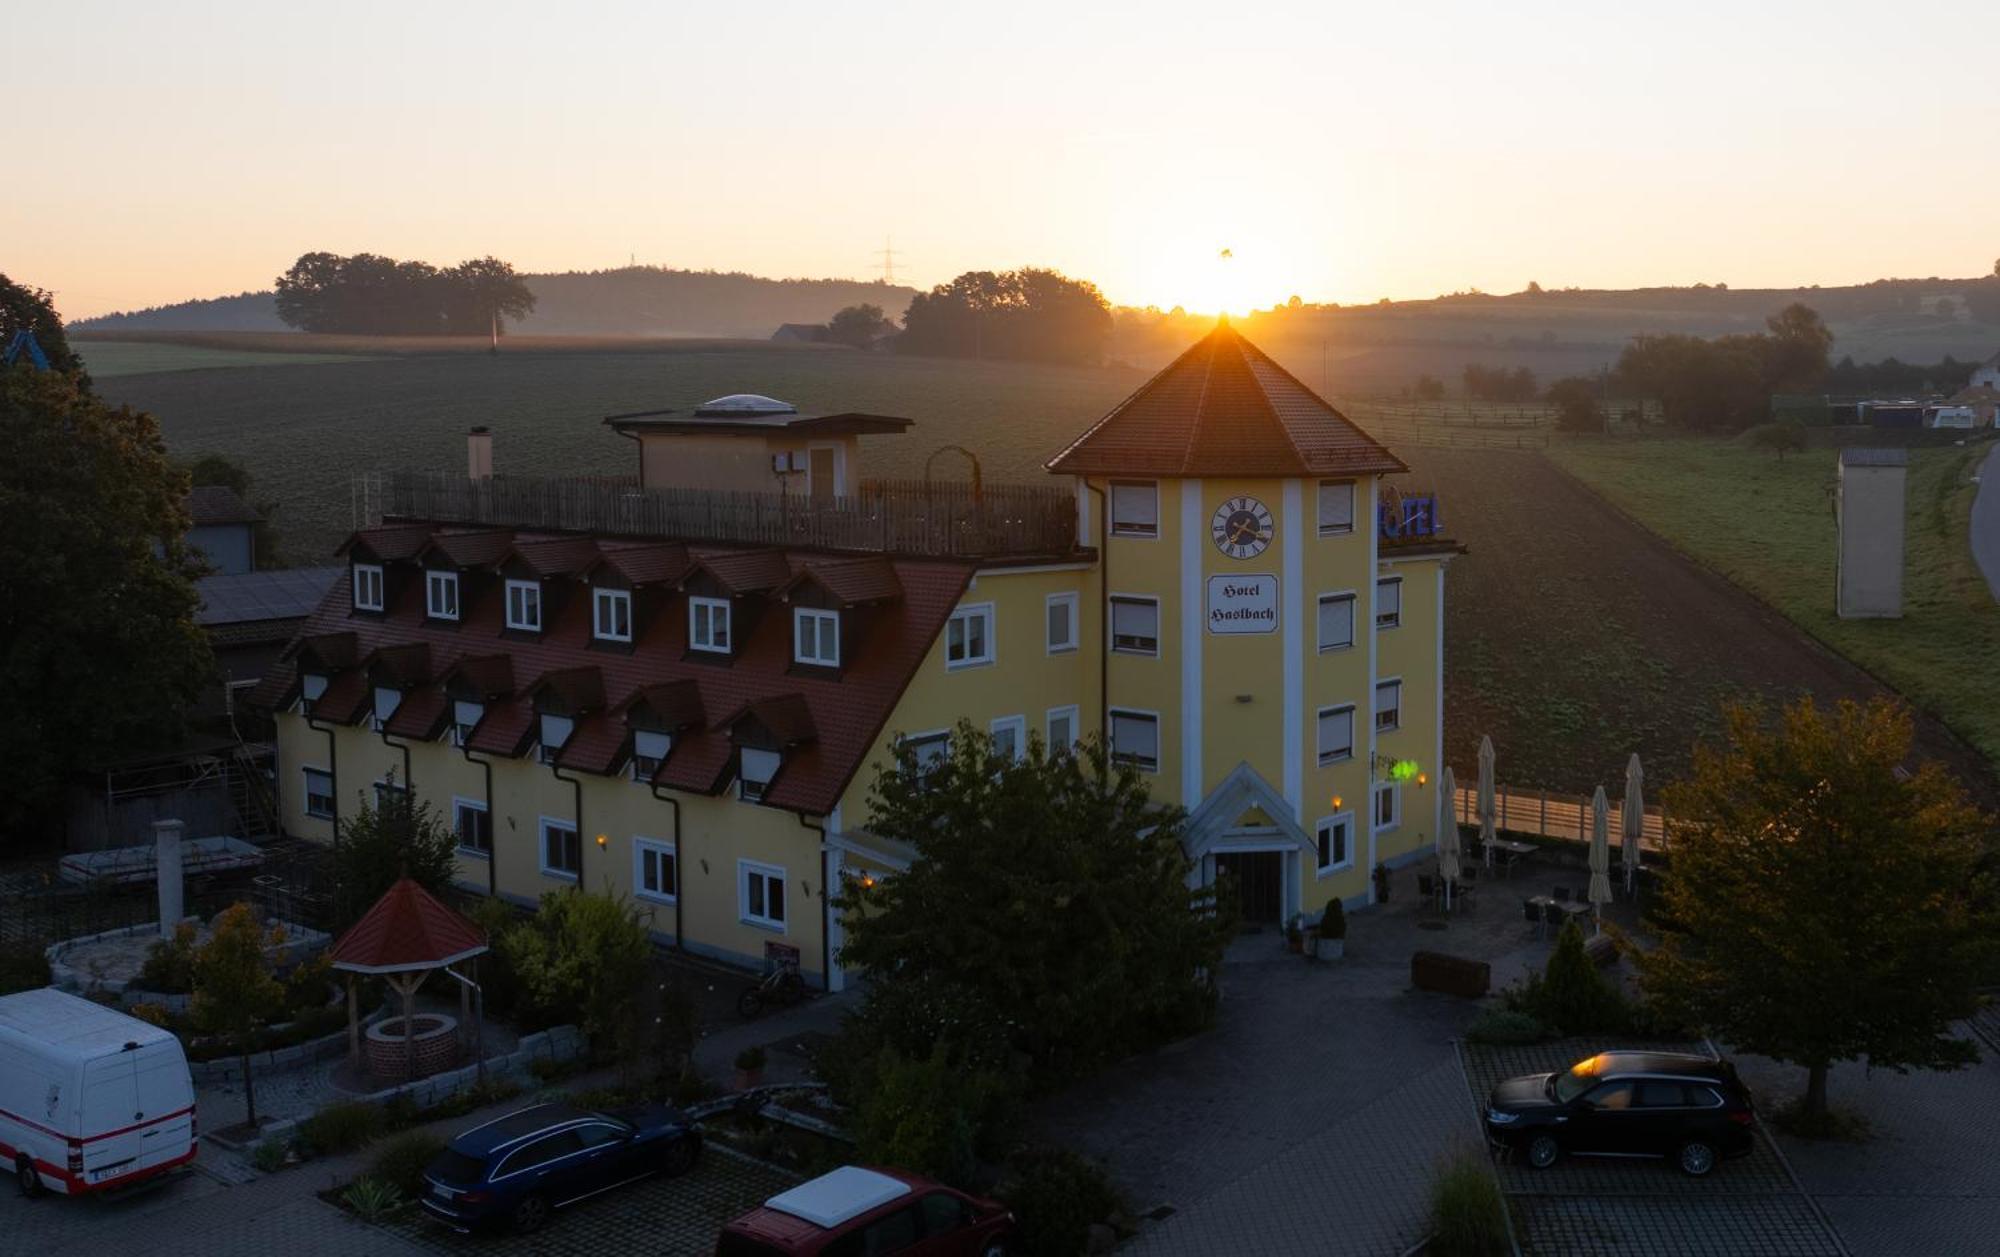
(436, 1046)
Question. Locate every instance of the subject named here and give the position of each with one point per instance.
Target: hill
(629, 301)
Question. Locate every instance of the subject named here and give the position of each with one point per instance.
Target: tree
(1429, 389)
(483, 294)
(1577, 406)
(97, 594)
(234, 992)
(857, 325)
(1824, 908)
(1498, 384)
(379, 846)
(1030, 314)
(583, 956)
(1047, 894)
(1787, 436)
(1796, 356)
(371, 294)
(34, 309)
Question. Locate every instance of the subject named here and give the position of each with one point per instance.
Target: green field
(305, 429)
(1768, 526)
(107, 360)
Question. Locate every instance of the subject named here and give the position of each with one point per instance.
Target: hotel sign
(1243, 604)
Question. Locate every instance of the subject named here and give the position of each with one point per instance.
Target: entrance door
(821, 475)
(1260, 882)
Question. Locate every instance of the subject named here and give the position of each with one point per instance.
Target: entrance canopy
(407, 931)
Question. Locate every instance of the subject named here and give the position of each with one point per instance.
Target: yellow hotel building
(679, 688)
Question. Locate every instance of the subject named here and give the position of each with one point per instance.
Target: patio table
(1515, 851)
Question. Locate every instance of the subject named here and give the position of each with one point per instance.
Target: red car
(856, 1212)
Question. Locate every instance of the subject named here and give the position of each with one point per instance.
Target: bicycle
(782, 985)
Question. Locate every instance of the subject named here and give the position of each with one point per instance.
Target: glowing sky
(1342, 152)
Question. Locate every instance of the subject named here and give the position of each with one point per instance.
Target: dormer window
(387, 699)
(611, 615)
(555, 731)
(367, 587)
(649, 751)
(464, 716)
(311, 686)
(708, 624)
(441, 595)
(754, 772)
(816, 637)
(524, 605)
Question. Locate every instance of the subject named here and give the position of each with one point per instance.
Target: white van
(89, 1098)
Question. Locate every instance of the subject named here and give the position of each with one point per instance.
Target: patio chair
(1532, 911)
(1426, 886)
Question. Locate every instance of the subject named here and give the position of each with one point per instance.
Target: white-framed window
(760, 894)
(1388, 806)
(562, 849)
(464, 717)
(1135, 624)
(968, 636)
(649, 751)
(554, 731)
(473, 824)
(1336, 733)
(928, 750)
(524, 605)
(1389, 602)
(318, 784)
(1333, 836)
(1061, 728)
(816, 637)
(1062, 623)
(1336, 507)
(441, 595)
(1010, 737)
(1336, 622)
(1135, 739)
(1135, 508)
(1388, 703)
(311, 686)
(387, 699)
(754, 771)
(708, 624)
(367, 587)
(656, 873)
(611, 615)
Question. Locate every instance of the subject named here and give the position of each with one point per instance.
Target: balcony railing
(948, 519)
(1407, 517)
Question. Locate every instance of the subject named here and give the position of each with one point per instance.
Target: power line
(888, 262)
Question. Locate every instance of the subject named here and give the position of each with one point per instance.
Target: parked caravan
(90, 1098)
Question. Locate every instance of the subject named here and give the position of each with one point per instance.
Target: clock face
(1241, 528)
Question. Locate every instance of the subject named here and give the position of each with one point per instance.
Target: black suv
(1626, 1104)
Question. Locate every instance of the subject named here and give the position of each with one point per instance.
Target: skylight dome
(746, 404)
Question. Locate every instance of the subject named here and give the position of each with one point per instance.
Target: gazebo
(402, 939)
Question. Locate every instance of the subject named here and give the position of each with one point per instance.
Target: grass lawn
(1768, 526)
(106, 359)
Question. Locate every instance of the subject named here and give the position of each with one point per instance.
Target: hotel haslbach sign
(1243, 604)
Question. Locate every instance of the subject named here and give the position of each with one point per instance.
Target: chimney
(479, 453)
(167, 871)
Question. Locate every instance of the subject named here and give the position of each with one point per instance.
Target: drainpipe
(332, 770)
(576, 790)
(493, 845)
(1103, 609)
(638, 441)
(825, 908)
(409, 786)
(680, 865)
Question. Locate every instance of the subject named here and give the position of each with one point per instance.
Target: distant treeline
(1030, 314)
(372, 295)
(1888, 377)
(1725, 384)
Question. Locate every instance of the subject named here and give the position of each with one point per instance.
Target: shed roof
(219, 504)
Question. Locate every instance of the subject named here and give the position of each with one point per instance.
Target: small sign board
(1243, 604)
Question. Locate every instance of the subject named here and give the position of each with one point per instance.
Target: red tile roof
(744, 571)
(390, 543)
(463, 550)
(488, 676)
(783, 720)
(851, 582)
(672, 706)
(662, 563)
(218, 504)
(407, 929)
(848, 712)
(1224, 408)
(563, 556)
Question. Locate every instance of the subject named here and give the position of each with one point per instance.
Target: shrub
(153, 1015)
(342, 1127)
(1056, 1195)
(1468, 1217)
(269, 1156)
(1334, 923)
(692, 1087)
(401, 1161)
(372, 1199)
(751, 1059)
(22, 969)
(169, 967)
(579, 959)
(1505, 1026)
(306, 985)
(548, 1069)
(1571, 996)
(933, 1115)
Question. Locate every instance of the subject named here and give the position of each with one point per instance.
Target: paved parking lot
(1749, 1207)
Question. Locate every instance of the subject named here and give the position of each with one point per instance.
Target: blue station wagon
(516, 1170)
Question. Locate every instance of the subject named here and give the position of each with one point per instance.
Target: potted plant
(1294, 936)
(749, 1068)
(1333, 931)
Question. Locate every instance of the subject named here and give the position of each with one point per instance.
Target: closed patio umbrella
(1447, 834)
(1600, 852)
(1634, 819)
(1486, 817)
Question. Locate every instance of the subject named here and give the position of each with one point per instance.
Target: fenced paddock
(1547, 814)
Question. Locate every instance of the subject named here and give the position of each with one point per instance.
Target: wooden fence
(1566, 816)
(937, 518)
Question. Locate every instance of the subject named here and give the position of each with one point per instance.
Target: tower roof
(1224, 408)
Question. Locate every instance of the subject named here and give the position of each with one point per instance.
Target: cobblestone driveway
(1584, 1206)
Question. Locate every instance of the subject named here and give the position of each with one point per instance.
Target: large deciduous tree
(857, 325)
(1824, 907)
(1725, 384)
(1030, 314)
(34, 309)
(97, 594)
(380, 845)
(1046, 893)
(369, 294)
